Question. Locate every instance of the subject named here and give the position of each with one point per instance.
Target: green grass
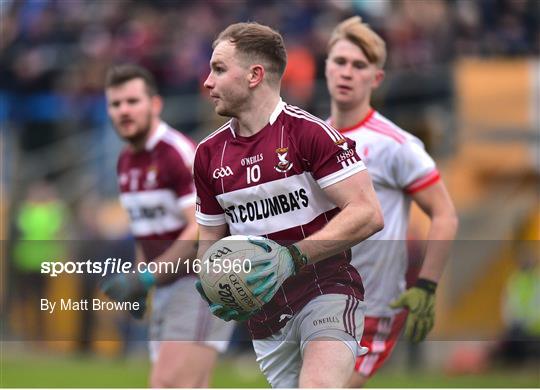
(63, 371)
(24, 370)
(490, 379)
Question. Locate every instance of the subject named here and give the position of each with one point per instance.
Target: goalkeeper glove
(221, 311)
(269, 270)
(129, 287)
(420, 300)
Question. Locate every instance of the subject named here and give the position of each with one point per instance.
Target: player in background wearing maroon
(402, 172)
(276, 171)
(156, 188)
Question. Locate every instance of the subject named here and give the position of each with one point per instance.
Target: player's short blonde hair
(363, 36)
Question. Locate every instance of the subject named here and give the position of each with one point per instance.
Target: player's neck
(257, 116)
(343, 118)
(140, 144)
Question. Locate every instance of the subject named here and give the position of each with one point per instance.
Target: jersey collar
(156, 137)
(273, 116)
(277, 111)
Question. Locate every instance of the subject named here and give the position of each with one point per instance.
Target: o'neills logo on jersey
(269, 207)
(283, 165)
(222, 172)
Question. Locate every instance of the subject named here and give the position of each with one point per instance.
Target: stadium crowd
(53, 53)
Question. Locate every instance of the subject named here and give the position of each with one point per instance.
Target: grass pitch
(25, 370)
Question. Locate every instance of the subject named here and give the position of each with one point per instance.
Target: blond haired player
(156, 188)
(402, 172)
(276, 171)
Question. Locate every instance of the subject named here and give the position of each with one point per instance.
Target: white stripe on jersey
(328, 127)
(348, 170)
(225, 126)
(318, 203)
(153, 212)
(332, 133)
(221, 164)
(181, 144)
(210, 220)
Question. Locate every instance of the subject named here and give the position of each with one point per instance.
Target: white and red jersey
(271, 184)
(155, 185)
(399, 166)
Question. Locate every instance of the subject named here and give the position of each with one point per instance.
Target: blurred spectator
(299, 79)
(521, 309)
(40, 224)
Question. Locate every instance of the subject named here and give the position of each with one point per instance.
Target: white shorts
(335, 316)
(179, 313)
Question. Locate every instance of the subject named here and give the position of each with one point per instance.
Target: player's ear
(379, 77)
(157, 104)
(256, 75)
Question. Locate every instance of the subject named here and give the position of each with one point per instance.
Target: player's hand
(129, 287)
(221, 311)
(420, 300)
(269, 270)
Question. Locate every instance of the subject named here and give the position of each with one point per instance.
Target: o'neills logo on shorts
(269, 207)
(327, 320)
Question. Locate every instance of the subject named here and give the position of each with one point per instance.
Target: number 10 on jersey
(253, 174)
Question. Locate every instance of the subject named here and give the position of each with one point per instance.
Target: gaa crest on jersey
(283, 165)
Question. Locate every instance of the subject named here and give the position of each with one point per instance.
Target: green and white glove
(129, 287)
(269, 270)
(221, 311)
(420, 301)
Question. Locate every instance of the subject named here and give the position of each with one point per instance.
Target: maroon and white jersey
(271, 184)
(155, 185)
(399, 166)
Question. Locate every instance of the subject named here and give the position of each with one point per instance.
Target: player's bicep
(353, 190)
(434, 200)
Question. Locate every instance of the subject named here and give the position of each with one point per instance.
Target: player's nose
(346, 71)
(123, 109)
(209, 82)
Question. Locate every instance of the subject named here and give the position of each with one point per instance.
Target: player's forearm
(354, 223)
(182, 250)
(208, 235)
(440, 237)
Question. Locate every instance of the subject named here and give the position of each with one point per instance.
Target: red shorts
(380, 336)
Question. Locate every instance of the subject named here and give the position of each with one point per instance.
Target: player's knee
(169, 377)
(357, 381)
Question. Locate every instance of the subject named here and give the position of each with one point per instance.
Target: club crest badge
(151, 177)
(283, 165)
(343, 144)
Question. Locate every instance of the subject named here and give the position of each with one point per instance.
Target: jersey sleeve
(330, 156)
(414, 168)
(208, 211)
